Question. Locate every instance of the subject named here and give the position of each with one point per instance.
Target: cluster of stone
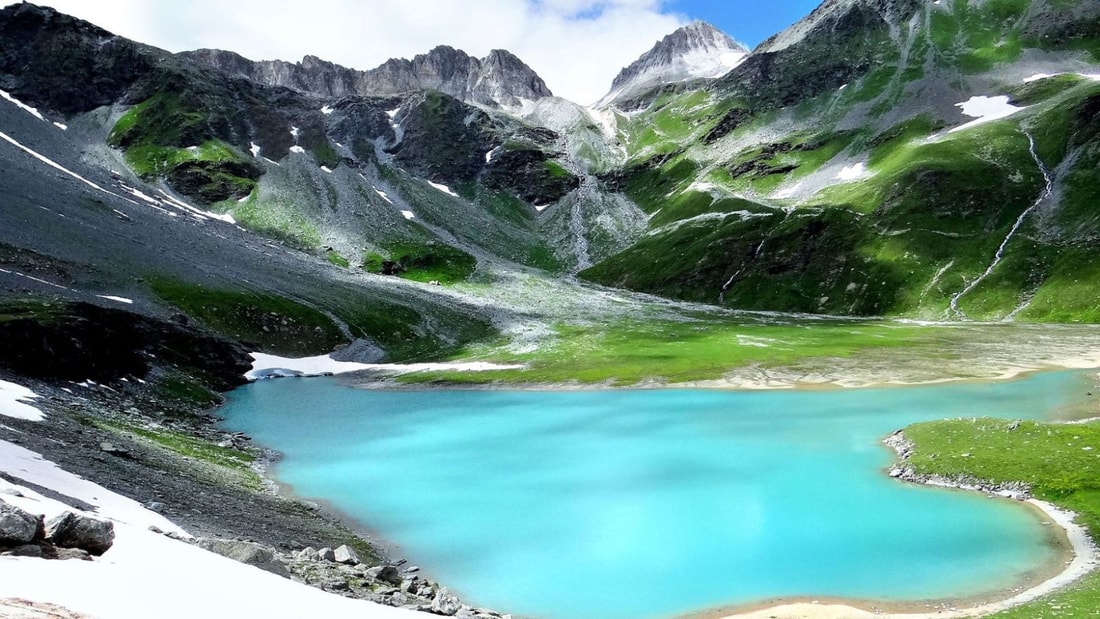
(68, 535)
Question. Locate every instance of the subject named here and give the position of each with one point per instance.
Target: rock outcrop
(498, 80)
(72, 530)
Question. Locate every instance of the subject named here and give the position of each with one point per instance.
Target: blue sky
(576, 46)
(748, 21)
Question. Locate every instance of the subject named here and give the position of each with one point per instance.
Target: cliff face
(498, 80)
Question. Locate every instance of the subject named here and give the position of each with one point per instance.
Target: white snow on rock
(381, 194)
(1042, 76)
(295, 132)
(13, 403)
(271, 366)
(33, 468)
(195, 212)
(297, 149)
(145, 573)
(325, 168)
(255, 148)
(852, 172)
(984, 110)
(61, 126)
(23, 106)
(408, 214)
(326, 110)
(789, 192)
(116, 299)
(393, 113)
(53, 164)
(445, 189)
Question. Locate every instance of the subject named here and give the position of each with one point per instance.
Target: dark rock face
(445, 139)
(64, 64)
(531, 175)
(500, 79)
(83, 341)
(844, 39)
(71, 530)
(17, 527)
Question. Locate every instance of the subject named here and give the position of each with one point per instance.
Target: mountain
(860, 183)
(934, 159)
(498, 80)
(696, 51)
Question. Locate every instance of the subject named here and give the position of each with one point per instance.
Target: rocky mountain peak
(500, 80)
(695, 51)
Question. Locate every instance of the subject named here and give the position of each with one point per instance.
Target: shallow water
(638, 504)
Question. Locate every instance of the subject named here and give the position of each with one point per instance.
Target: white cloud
(577, 46)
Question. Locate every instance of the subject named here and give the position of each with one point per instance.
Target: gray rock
(72, 530)
(17, 526)
(249, 553)
(309, 553)
(389, 574)
(114, 450)
(155, 506)
(445, 603)
(326, 554)
(26, 550)
(65, 554)
(345, 555)
(337, 584)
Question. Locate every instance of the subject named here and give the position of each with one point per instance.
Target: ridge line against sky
(576, 46)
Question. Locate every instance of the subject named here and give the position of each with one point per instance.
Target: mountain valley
(888, 192)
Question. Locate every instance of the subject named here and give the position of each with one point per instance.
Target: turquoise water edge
(653, 503)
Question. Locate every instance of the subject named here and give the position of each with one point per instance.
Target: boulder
(17, 527)
(249, 553)
(309, 553)
(389, 574)
(345, 555)
(72, 530)
(326, 554)
(445, 603)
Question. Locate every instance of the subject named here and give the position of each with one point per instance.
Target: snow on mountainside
(696, 51)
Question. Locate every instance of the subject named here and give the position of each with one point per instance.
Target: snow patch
(393, 113)
(54, 164)
(31, 467)
(852, 172)
(541, 207)
(1095, 77)
(985, 110)
(295, 132)
(13, 402)
(445, 189)
(298, 149)
(269, 366)
(116, 299)
(255, 148)
(23, 106)
(381, 194)
(326, 110)
(789, 192)
(61, 126)
(408, 214)
(325, 168)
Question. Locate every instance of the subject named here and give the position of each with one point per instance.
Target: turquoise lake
(653, 503)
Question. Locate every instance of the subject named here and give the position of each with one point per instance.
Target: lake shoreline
(1079, 556)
